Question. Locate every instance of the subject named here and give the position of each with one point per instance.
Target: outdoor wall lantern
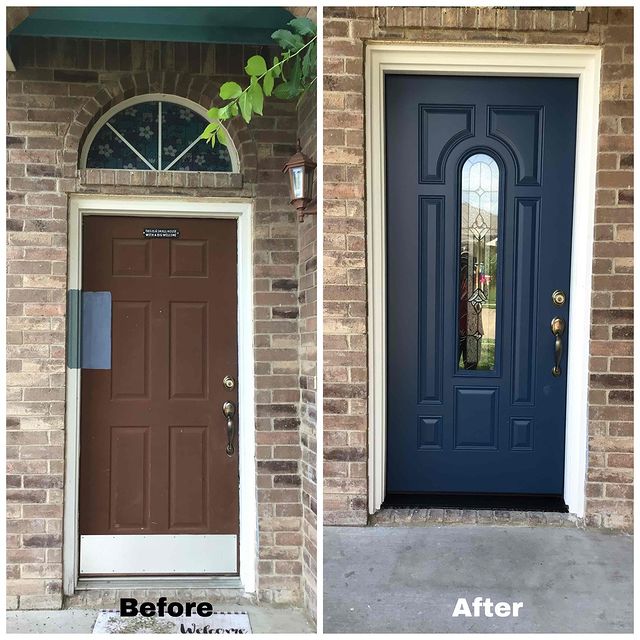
(301, 169)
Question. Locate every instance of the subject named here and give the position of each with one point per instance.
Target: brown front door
(153, 443)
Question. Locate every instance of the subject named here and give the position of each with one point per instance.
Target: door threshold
(494, 502)
(161, 582)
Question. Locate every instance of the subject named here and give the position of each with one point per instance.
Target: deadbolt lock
(558, 297)
(229, 382)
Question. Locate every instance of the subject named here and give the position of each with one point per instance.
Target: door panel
(153, 435)
(479, 213)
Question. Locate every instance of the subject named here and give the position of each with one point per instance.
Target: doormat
(109, 621)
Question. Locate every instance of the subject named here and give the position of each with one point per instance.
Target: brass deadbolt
(558, 297)
(229, 382)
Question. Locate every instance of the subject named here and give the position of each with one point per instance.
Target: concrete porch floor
(264, 619)
(408, 579)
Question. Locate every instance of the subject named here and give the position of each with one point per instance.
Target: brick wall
(610, 474)
(61, 88)
(307, 296)
(307, 274)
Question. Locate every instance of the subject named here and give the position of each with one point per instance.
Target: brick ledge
(194, 179)
(429, 517)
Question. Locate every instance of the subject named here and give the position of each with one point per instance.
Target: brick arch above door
(108, 95)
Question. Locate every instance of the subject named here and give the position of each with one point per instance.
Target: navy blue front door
(479, 194)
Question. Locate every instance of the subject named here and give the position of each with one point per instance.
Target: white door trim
(240, 209)
(454, 59)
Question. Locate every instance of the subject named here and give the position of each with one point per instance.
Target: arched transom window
(155, 133)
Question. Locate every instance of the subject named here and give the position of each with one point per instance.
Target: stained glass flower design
(156, 136)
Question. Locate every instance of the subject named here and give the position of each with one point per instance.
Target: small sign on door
(161, 233)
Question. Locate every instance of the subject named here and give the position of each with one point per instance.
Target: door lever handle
(229, 411)
(557, 328)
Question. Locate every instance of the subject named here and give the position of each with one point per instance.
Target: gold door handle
(229, 411)
(557, 328)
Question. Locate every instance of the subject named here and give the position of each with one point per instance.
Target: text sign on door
(161, 233)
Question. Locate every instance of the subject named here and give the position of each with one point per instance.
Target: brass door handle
(229, 411)
(557, 328)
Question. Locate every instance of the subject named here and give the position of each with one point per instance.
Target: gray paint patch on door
(96, 330)
(73, 332)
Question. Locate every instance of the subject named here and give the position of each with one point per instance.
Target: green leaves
(267, 83)
(230, 90)
(245, 107)
(224, 113)
(291, 88)
(309, 63)
(283, 92)
(287, 40)
(303, 26)
(256, 97)
(288, 77)
(222, 137)
(276, 69)
(210, 129)
(209, 134)
(256, 66)
(294, 41)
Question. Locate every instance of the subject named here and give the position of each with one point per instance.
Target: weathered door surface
(158, 490)
(480, 175)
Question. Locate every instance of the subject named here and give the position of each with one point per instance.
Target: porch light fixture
(301, 169)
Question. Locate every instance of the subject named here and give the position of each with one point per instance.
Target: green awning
(220, 25)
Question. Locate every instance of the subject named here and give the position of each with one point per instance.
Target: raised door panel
(131, 355)
(189, 258)
(188, 477)
(131, 257)
(520, 129)
(525, 294)
(441, 128)
(431, 286)
(188, 360)
(130, 475)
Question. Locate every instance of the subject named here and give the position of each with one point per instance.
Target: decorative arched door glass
(154, 135)
(478, 263)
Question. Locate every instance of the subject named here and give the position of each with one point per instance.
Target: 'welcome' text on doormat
(109, 621)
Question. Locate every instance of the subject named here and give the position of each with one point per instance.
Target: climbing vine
(289, 77)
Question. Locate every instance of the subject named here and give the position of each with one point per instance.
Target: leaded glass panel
(478, 263)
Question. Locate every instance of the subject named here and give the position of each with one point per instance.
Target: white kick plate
(159, 554)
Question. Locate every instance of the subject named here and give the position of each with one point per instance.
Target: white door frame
(455, 59)
(240, 209)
